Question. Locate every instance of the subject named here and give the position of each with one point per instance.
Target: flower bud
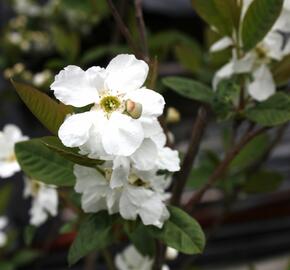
(134, 109)
(173, 115)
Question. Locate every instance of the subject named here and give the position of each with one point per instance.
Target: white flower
(135, 198)
(3, 236)
(131, 259)
(150, 157)
(10, 135)
(44, 201)
(108, 127)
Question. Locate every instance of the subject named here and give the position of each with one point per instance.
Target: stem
(159, 256)
(142, 29)
(90, 261)
(109, 259)
(123, 28)
(197, 133)
(222, 167)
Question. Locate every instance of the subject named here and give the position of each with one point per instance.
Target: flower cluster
(44, 197)
(274, 46)
(121, 128)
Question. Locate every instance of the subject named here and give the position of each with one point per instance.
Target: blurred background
(247, 228)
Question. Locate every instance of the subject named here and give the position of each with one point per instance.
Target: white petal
(263, 85)
(122, 135)
(221, 44)
(88, 178)
(121, 170)
(128, 210)
(168, 159)
(76, 87)
(171, 253)
(3, 222)
(75, 130)
(152, 102)
(7, 169)
(13, 133)
(3, 239)
(145, 156)
(126, 73)
(224, 72)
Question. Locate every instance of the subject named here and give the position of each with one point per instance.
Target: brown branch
(123, 28)
(142, 29)
(221, 168)
(197, 133)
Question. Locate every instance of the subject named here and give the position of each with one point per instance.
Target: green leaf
(42, 164)
(67, 227)
(253, 151)
(181, 232)
(281, 71)
(141, 239)
(274, 111)
(225, 98)
(258, 21)
(262, 182)
(5, 265)
(71, 154)
(189, 88)
(50, 113)
(94, 234)
(223, 14)
(24, 257)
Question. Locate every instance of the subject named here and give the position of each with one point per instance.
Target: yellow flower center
(110, 103)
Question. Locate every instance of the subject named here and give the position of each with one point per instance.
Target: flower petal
(263, 85)
(145, 156)
(126, 73)
(76, 87)
(221, 44)
(7, 169)
(152, 102)
(168, 159)
(122, 135)
(121, 170)
(75, 130)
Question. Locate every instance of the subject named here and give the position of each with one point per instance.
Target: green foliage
(94, 54)
(67, 43)
(67, 227)
(54, 144)
(222, 14)
(95, 233)
(181, 232)
(50, 113)
(225, 98)
(189, 89)
(252, 152)
(258, 20)
(281, 71)
(274, 111)
(42, 164)
(24, 257)
(141, 239)
(262, 182)
(199, 175)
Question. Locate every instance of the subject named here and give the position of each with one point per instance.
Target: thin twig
(220, 170)
(197, 133)
(123, 28)
(142, 29)
(159, 255)
(90, 261)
